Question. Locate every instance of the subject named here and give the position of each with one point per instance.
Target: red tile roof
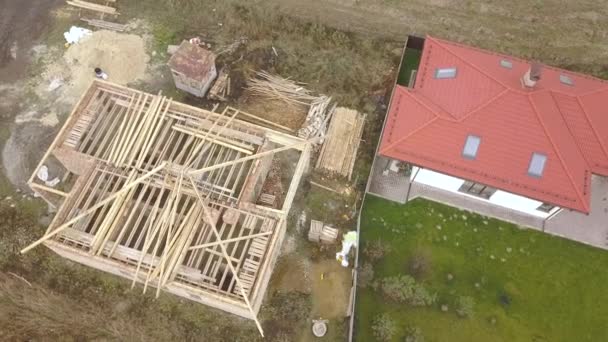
(428, 125)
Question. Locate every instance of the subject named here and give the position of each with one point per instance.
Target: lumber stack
(316, 120)
(93, 7)
(278, 88)
(339, 151)
(106, 25)
(221, 88)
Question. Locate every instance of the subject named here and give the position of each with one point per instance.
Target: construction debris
(164, 195)
(221, 88)
(319, 232)
(317, 117)
(339, 151)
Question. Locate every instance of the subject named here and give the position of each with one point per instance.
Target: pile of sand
(122, 56)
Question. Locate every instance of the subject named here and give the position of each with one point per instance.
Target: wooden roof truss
(165, 196)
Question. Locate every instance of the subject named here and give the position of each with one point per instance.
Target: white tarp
(43, 175)
(75, 34)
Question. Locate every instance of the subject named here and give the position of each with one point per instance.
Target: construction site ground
(345, 49)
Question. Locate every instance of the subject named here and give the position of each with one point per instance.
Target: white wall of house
(500, 198)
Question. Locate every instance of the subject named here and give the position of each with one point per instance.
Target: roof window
(445, 73)
(537, 165)
(471, 145)
(565, 79)
(506, 64)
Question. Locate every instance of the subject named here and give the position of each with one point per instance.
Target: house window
(445, 73)
(537, 165)
(506, 64)
(477, 189)
(545, 207)
(566, 80)
(471, 145)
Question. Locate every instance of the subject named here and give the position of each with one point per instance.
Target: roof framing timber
(159, 196)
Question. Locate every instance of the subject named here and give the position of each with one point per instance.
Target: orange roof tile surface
(564, 117)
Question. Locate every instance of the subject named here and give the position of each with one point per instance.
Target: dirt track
(21, 24)
(556, 32)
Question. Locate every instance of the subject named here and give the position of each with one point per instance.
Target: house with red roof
(498, 129)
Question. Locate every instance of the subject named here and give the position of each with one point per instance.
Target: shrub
(465, 306)
(413, 334)
(384, 327)
(376, 250)
(366, 275)
(404, 289)
(419, 264)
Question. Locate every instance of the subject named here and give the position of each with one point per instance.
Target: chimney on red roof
(532, 76)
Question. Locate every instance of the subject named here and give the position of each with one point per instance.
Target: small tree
(376, 250)
(384, 327)
(465, 306)
(419, 264)
(366, 275)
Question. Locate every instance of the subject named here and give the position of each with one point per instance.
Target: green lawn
(411, 61)
(557, 290)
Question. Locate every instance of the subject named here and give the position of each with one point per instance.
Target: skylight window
(565, 79)
(537, 164)
(445, 73)
(471, 145)
(506, 64)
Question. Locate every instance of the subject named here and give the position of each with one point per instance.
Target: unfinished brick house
(167, 195)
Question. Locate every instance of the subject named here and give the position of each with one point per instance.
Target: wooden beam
(263, 120)
(210, 244)
(93, 208)
(48, 189)
(252, 157)
(223, 248)
(93, 7)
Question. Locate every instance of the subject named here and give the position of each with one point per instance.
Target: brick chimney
(532, 76)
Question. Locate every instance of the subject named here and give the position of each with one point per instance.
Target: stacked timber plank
(320, 232)
(278, 88)
(221, 88)
(93, 7)
(339, 151)
(106, 25)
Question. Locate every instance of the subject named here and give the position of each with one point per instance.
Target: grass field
(526, 285)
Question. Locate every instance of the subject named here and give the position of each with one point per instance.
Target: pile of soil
(122, 56)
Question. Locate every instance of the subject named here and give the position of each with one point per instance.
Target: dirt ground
(48, 96)
(21, 25)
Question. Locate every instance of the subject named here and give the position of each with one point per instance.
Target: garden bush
(384, 327)
(465, 306)
(405, 289)
(413, 334)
